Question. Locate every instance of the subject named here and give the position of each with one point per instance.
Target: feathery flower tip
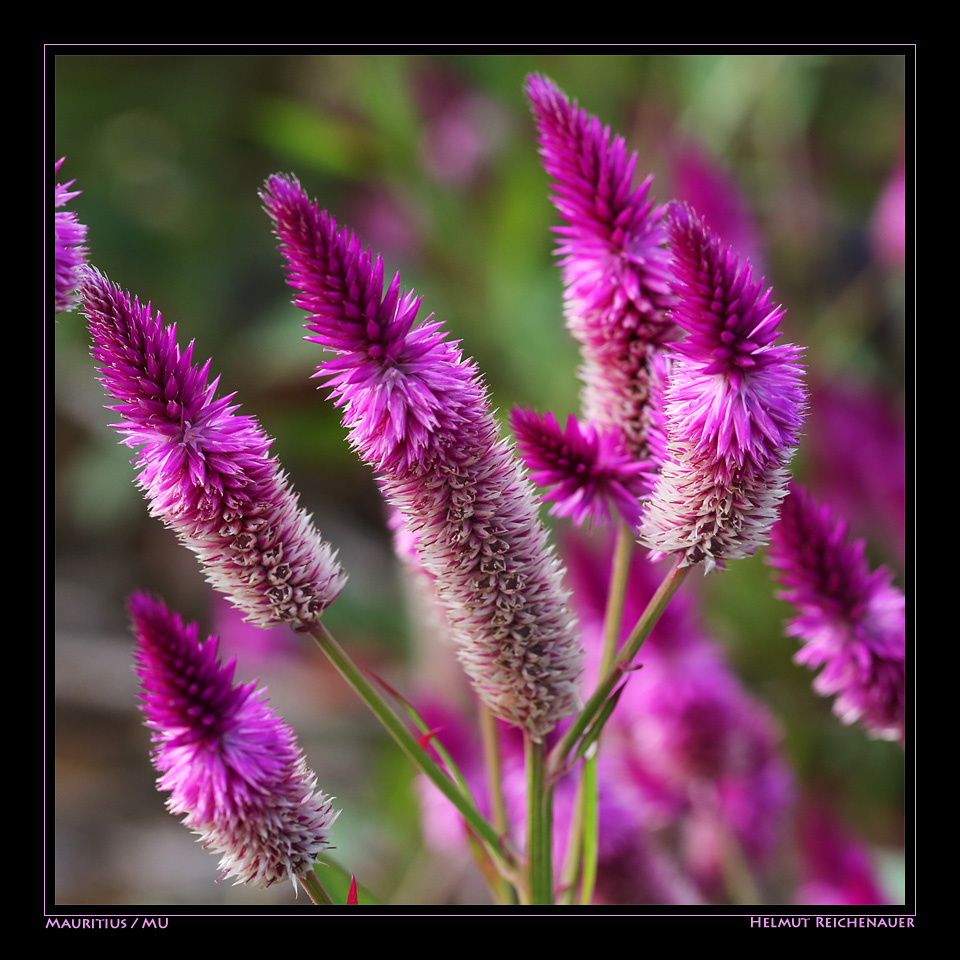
(851, 621)
(206, 469)
(613, 258)
(231, 765)
(734, 407)
(70, 255)
(418, 413)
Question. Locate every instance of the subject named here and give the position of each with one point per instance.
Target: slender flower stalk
(419, 414)
(205, 469)
(734, 407)
(851, 621)
(615, 267)
(70, 255)
(587, 471)
(231, 765)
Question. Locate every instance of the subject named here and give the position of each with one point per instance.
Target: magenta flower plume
(231, 765)
(418, 413)
(851, 621)
(70, 255)
(734, 407)
(205, 469)
(615, 267)
(588, 473)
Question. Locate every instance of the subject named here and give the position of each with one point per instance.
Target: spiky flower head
(586, 470)
(419, 414)
(734, 407)
(70, 255)
(231, 765)
(205, 469)
(615, 267)
(851, 621)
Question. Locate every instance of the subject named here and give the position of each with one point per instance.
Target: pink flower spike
(588, 473)
(205, 469)
(352, 899)
(70, 255)
(615, 267)
(734, 407)
(851, 621)
(231, 765)
(418, 413)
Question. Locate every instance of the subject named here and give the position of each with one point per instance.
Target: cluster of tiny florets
(70, 254)
(614, 263)
(231, 765)
(734, 407)
(419, 414)
(851, 621)
(205, 469)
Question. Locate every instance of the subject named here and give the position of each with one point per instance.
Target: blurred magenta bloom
(835, 869)
(734, 407)
(205, 469)
(462, 128)
(588, 473)
(699, 182)
(231, 765)
(855, 447)
(419, 414)
(851, 621)
(690, 772)
(889, 226)
(689, 750)
(615, 267)
(70, 255)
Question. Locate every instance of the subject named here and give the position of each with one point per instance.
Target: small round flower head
(205, 469)
(587, 471)
(733, 410)
(615, 267)
(231, 765)
(70, 255)
(419, 414)
(851, 621)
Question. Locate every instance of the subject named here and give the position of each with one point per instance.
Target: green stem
(619, 574)
(584, 828)
(501, 886)
(315, 890)
(418, 756)
(595, 704)
(539, 826)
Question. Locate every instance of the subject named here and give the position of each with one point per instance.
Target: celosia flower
(207, 470)
(614, 264)
(734, 407)
(419, 414)
(851, 621)
(231, 765)
(69, 253)
(587, 471)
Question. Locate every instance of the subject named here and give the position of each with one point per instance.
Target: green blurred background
(432, 160)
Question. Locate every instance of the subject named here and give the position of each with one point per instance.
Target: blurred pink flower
(835, 869)
(889, 225)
